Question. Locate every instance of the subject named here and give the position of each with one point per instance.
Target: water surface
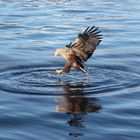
(37, 104)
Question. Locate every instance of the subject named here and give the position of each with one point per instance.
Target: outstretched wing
(86, 43)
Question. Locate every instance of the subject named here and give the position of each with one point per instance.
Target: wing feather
(91, 29)
(86, 29)
(87, 42)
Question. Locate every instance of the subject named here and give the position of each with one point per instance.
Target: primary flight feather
(81, 50)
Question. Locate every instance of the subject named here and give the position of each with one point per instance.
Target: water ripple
(41, 80)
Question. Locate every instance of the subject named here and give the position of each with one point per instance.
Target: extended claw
(58, 71)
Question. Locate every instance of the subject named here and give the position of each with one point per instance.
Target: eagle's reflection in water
(76, 105)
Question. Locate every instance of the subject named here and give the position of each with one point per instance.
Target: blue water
(37, 104)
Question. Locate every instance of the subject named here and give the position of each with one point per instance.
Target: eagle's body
(81, 50)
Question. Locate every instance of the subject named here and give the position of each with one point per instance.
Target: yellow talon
(58, 71)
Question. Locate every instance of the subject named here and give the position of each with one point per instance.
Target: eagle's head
(57, 52)
(61, 52)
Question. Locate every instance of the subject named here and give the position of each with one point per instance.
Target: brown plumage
(81, 50)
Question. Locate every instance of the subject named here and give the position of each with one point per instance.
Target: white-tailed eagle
(81, 50)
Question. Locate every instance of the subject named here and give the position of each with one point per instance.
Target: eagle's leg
(58, 71)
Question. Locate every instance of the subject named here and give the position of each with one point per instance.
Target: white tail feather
(83, 70)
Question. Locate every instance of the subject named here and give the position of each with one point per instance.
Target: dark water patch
(4, 26)
(76, 11)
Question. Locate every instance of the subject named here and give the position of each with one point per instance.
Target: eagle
(79, 51)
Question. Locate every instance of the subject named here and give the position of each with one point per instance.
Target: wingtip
(89, 28)
(92, 29)
(72, 45)
(86, 29)
(69, 45)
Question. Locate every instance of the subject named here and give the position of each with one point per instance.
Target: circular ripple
(41, 80)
